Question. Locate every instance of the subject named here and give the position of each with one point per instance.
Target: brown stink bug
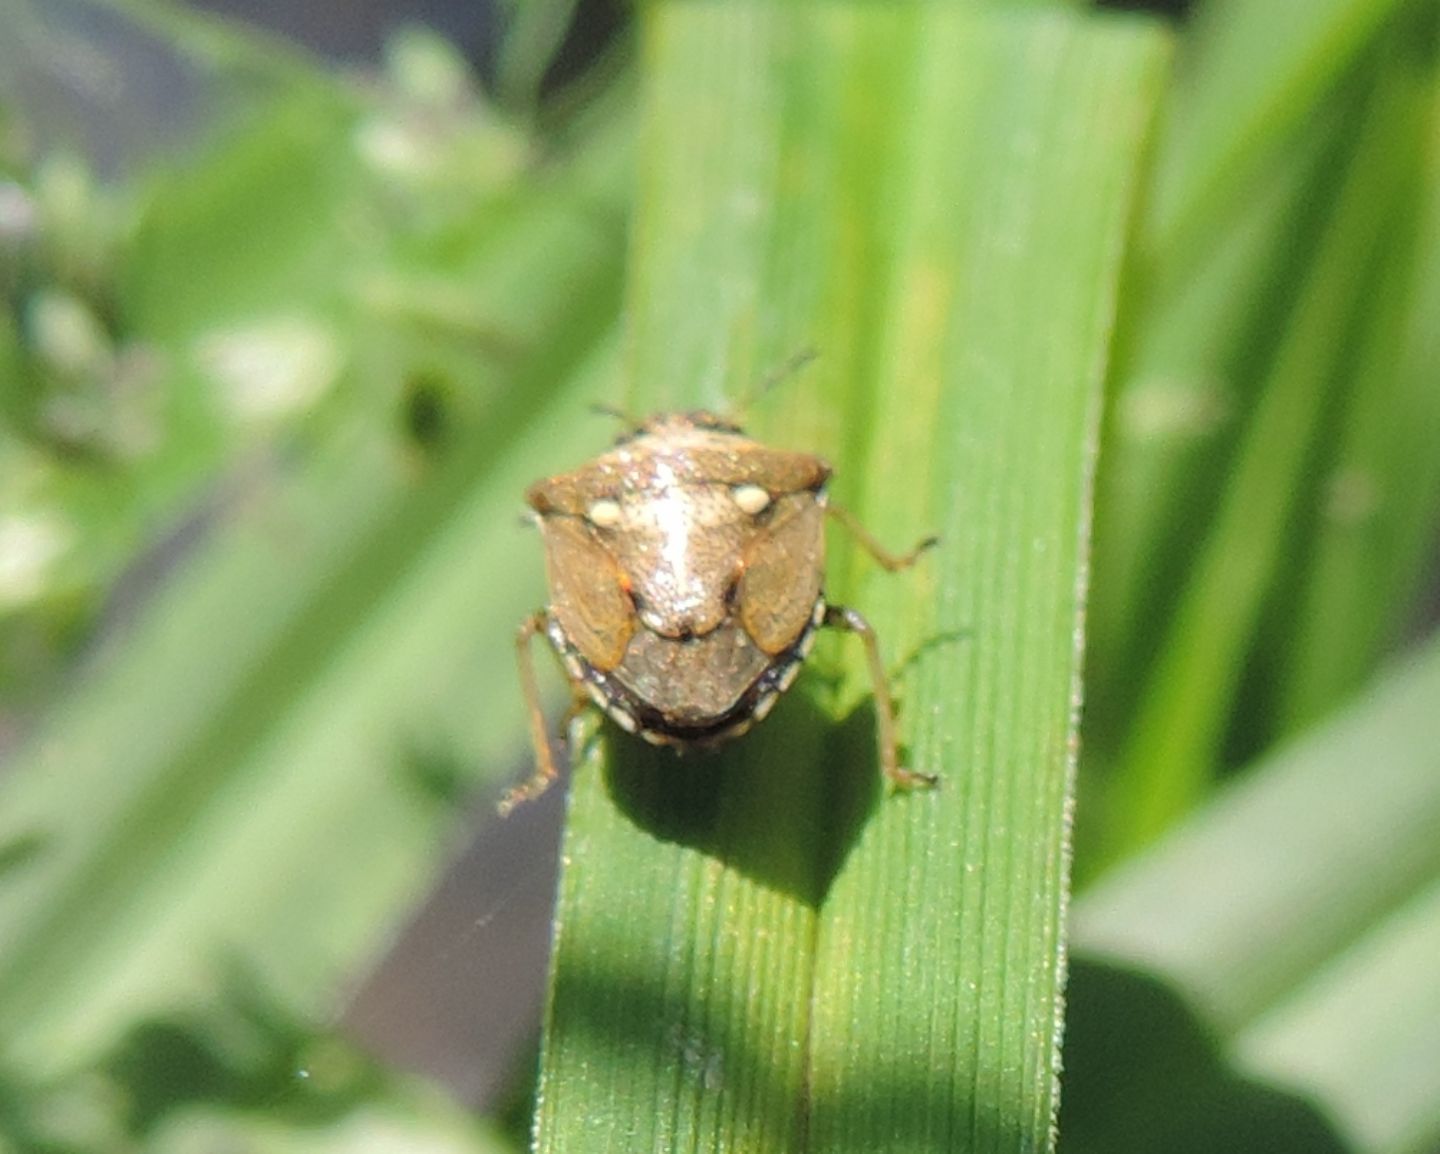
(685, 569)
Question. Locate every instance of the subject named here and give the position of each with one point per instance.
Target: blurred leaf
(1297, 918)
(246, 1080)
(1246, 191)
(756, 950)
(253, 780)
(424, 1125)
(276, 281)
(251, 232)
(258, 697)
(537, 29)
(1379, 515)
(1190, 350)
(1174, 744)
(1251, 75)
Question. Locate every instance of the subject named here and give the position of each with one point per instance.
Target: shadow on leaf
(783, 805)
(1142, 1074)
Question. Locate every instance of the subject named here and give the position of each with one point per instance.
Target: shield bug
(686, 569)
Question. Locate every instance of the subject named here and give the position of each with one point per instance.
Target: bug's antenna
(776, 376)
(601, 409)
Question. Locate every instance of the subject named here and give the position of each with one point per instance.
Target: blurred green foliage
(270, 390)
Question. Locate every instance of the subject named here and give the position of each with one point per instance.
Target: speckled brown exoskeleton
(686, 569)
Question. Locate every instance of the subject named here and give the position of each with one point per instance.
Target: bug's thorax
(682, 537)
(682, 546)
(676, 505)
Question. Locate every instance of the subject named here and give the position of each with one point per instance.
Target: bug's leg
(882, 555)
(579, 703)
(839, 617)
(539, 736)
(601, 409)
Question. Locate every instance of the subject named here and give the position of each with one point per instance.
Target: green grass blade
(1380, 506)
(1189, 354)
(1253, 72)
(1174, 745)
(1207, 310)
(1296, 916)
(756, 951)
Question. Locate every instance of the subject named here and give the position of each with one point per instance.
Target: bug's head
(703, 420)
(670, 424)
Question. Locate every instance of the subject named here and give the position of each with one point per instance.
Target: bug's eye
(752, 499)
(603, 514)
(732, 593)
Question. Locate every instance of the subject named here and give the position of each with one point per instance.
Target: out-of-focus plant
(272, 385)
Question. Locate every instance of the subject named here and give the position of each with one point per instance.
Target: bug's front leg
(545, 770)
(839, 617)
(883, 556)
